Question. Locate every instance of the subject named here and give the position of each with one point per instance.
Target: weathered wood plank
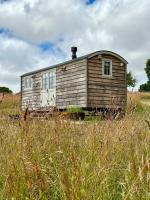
(114, 69)
(114, 76)
(31, 94)
(69, 98)
(110, 95)
(106, 87)
(99, 73)
(71, 92)
(107, 84)
(102, 91)
(68, 71)
(106, 102)
(73, 103)
(72, 78)
(66, 85)
(80, 104)
(73, 74)
(70, 82)
(73, 95)
(111, 99)
(99, 105)
(106, 80)
(79, 88)
(71, 67)
(32, 90)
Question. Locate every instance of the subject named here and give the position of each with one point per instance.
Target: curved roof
(79, 58)
(108, 53)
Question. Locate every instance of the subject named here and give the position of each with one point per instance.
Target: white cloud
(18, 57)
(118, 25)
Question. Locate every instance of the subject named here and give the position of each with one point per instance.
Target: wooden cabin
(93, 81)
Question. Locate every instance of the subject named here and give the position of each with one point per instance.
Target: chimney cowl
(74, 51)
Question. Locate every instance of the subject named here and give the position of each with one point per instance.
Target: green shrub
(74, 109)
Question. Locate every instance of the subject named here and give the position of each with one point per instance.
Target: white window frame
(103, 66)
(49, 80)
(27, 86)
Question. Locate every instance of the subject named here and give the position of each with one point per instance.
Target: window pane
(30, 82)
(51, 80)
(105, 70)
(44, 82)
(25, 83)
(107, 66)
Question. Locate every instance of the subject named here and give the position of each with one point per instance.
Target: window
(107, 67)
(52, 80)
(49, 80)
(27, 82)
(45, 81)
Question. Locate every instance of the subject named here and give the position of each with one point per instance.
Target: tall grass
(64, 160)
(9, 103)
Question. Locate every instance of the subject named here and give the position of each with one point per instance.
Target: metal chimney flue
(74, 51)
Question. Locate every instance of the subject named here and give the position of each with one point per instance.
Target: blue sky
(89, 2)
(3, 1)
(46, 46)
(5, 32)
(36, 34)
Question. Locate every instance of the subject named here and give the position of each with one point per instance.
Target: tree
(147, 69)
(5, 90)
(146, 86)
(131, 81)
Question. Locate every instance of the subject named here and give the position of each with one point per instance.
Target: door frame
(49, 91)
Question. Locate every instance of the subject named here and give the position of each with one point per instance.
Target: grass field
(64, 160)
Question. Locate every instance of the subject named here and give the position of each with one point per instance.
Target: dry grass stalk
(1, 97)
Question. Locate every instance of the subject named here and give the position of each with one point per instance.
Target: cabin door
(48, 92)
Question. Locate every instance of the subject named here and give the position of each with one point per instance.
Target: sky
(37, 33)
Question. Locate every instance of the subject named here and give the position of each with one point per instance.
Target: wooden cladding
(71, 84)
(106, 91)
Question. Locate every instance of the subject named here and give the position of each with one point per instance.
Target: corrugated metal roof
(77, 59)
